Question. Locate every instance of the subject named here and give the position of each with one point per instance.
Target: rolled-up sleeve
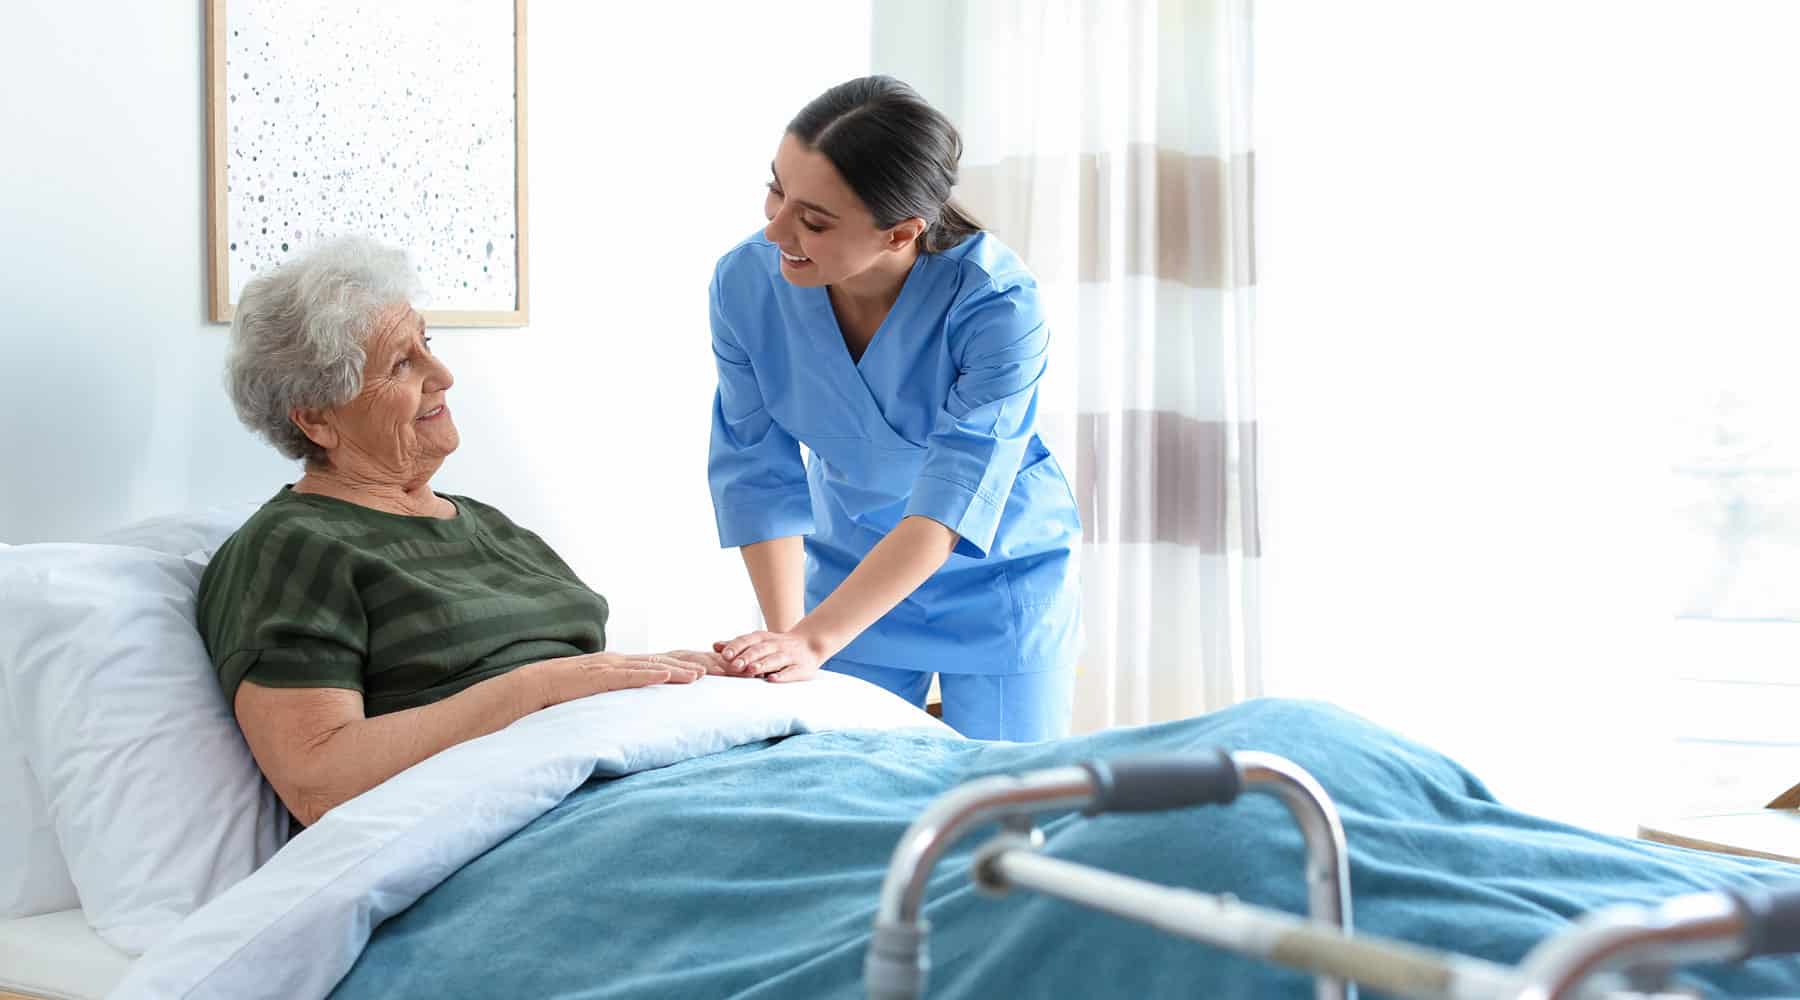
(980, 436)
(754, 467)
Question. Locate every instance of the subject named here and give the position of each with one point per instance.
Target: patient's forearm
(893, 569)
(777, 571)
(318, 751)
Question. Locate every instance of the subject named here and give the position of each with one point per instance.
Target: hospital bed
(609, 815)
(1627, 948)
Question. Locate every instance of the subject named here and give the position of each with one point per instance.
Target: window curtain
(1107, 143)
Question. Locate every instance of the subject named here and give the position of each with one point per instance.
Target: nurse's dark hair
(897, 152)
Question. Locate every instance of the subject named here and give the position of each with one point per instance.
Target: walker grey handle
(1168, 781)
(896, 964)
(1771, 919)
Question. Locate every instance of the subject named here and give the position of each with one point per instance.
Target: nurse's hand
(773, 656)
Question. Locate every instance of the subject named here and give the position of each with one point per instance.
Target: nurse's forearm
(778, 572)
(894, 568)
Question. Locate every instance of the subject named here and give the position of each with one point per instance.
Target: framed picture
(403, 120)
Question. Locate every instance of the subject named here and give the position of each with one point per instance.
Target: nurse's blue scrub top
(938, 419)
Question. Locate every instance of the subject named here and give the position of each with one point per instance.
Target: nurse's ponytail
(952, 227)
(897, 152)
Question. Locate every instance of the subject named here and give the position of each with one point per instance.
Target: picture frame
(384, 102)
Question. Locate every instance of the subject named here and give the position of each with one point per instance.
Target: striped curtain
(1107, 141)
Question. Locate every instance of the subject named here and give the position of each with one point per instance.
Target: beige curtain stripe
(1170, 483)
(1072, 200)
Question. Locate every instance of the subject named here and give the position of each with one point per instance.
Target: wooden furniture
(1772, 832)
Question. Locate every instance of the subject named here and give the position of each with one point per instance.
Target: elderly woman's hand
(707, 662)
(569, 677)
(773, 656)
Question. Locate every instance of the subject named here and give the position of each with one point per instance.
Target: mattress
(57, 956)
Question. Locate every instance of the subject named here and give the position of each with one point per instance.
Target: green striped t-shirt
(318, 592)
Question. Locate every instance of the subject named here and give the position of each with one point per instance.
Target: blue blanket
(755, 873)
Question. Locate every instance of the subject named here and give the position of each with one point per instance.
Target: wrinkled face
(823, 229)
(398, 426)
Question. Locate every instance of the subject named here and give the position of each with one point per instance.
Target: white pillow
(185, 533)
(33, 877)
(152, 792)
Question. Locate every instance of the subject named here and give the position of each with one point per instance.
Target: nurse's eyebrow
(803, 204)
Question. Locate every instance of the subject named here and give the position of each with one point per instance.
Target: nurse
(930, 531)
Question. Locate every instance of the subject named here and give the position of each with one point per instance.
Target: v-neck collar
(906, 288)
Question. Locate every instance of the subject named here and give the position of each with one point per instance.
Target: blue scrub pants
(1017, 707)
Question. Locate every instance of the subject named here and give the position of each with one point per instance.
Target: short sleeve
(279, 606)
(980, 435)
(754, 468)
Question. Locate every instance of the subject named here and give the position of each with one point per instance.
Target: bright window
(1529, 378)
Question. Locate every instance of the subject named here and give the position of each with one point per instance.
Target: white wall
(650, 133)
(1497, 244)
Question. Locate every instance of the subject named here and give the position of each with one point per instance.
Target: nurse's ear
(904, 232)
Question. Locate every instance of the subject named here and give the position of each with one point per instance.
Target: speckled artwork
(393, 118)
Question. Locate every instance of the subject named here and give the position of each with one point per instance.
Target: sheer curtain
(1107, 143)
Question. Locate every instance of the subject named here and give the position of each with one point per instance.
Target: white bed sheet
(58, 956)
(323, 894)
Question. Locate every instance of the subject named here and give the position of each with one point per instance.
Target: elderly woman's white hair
(297, 339)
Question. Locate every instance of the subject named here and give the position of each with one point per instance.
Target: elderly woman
(359, 621)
